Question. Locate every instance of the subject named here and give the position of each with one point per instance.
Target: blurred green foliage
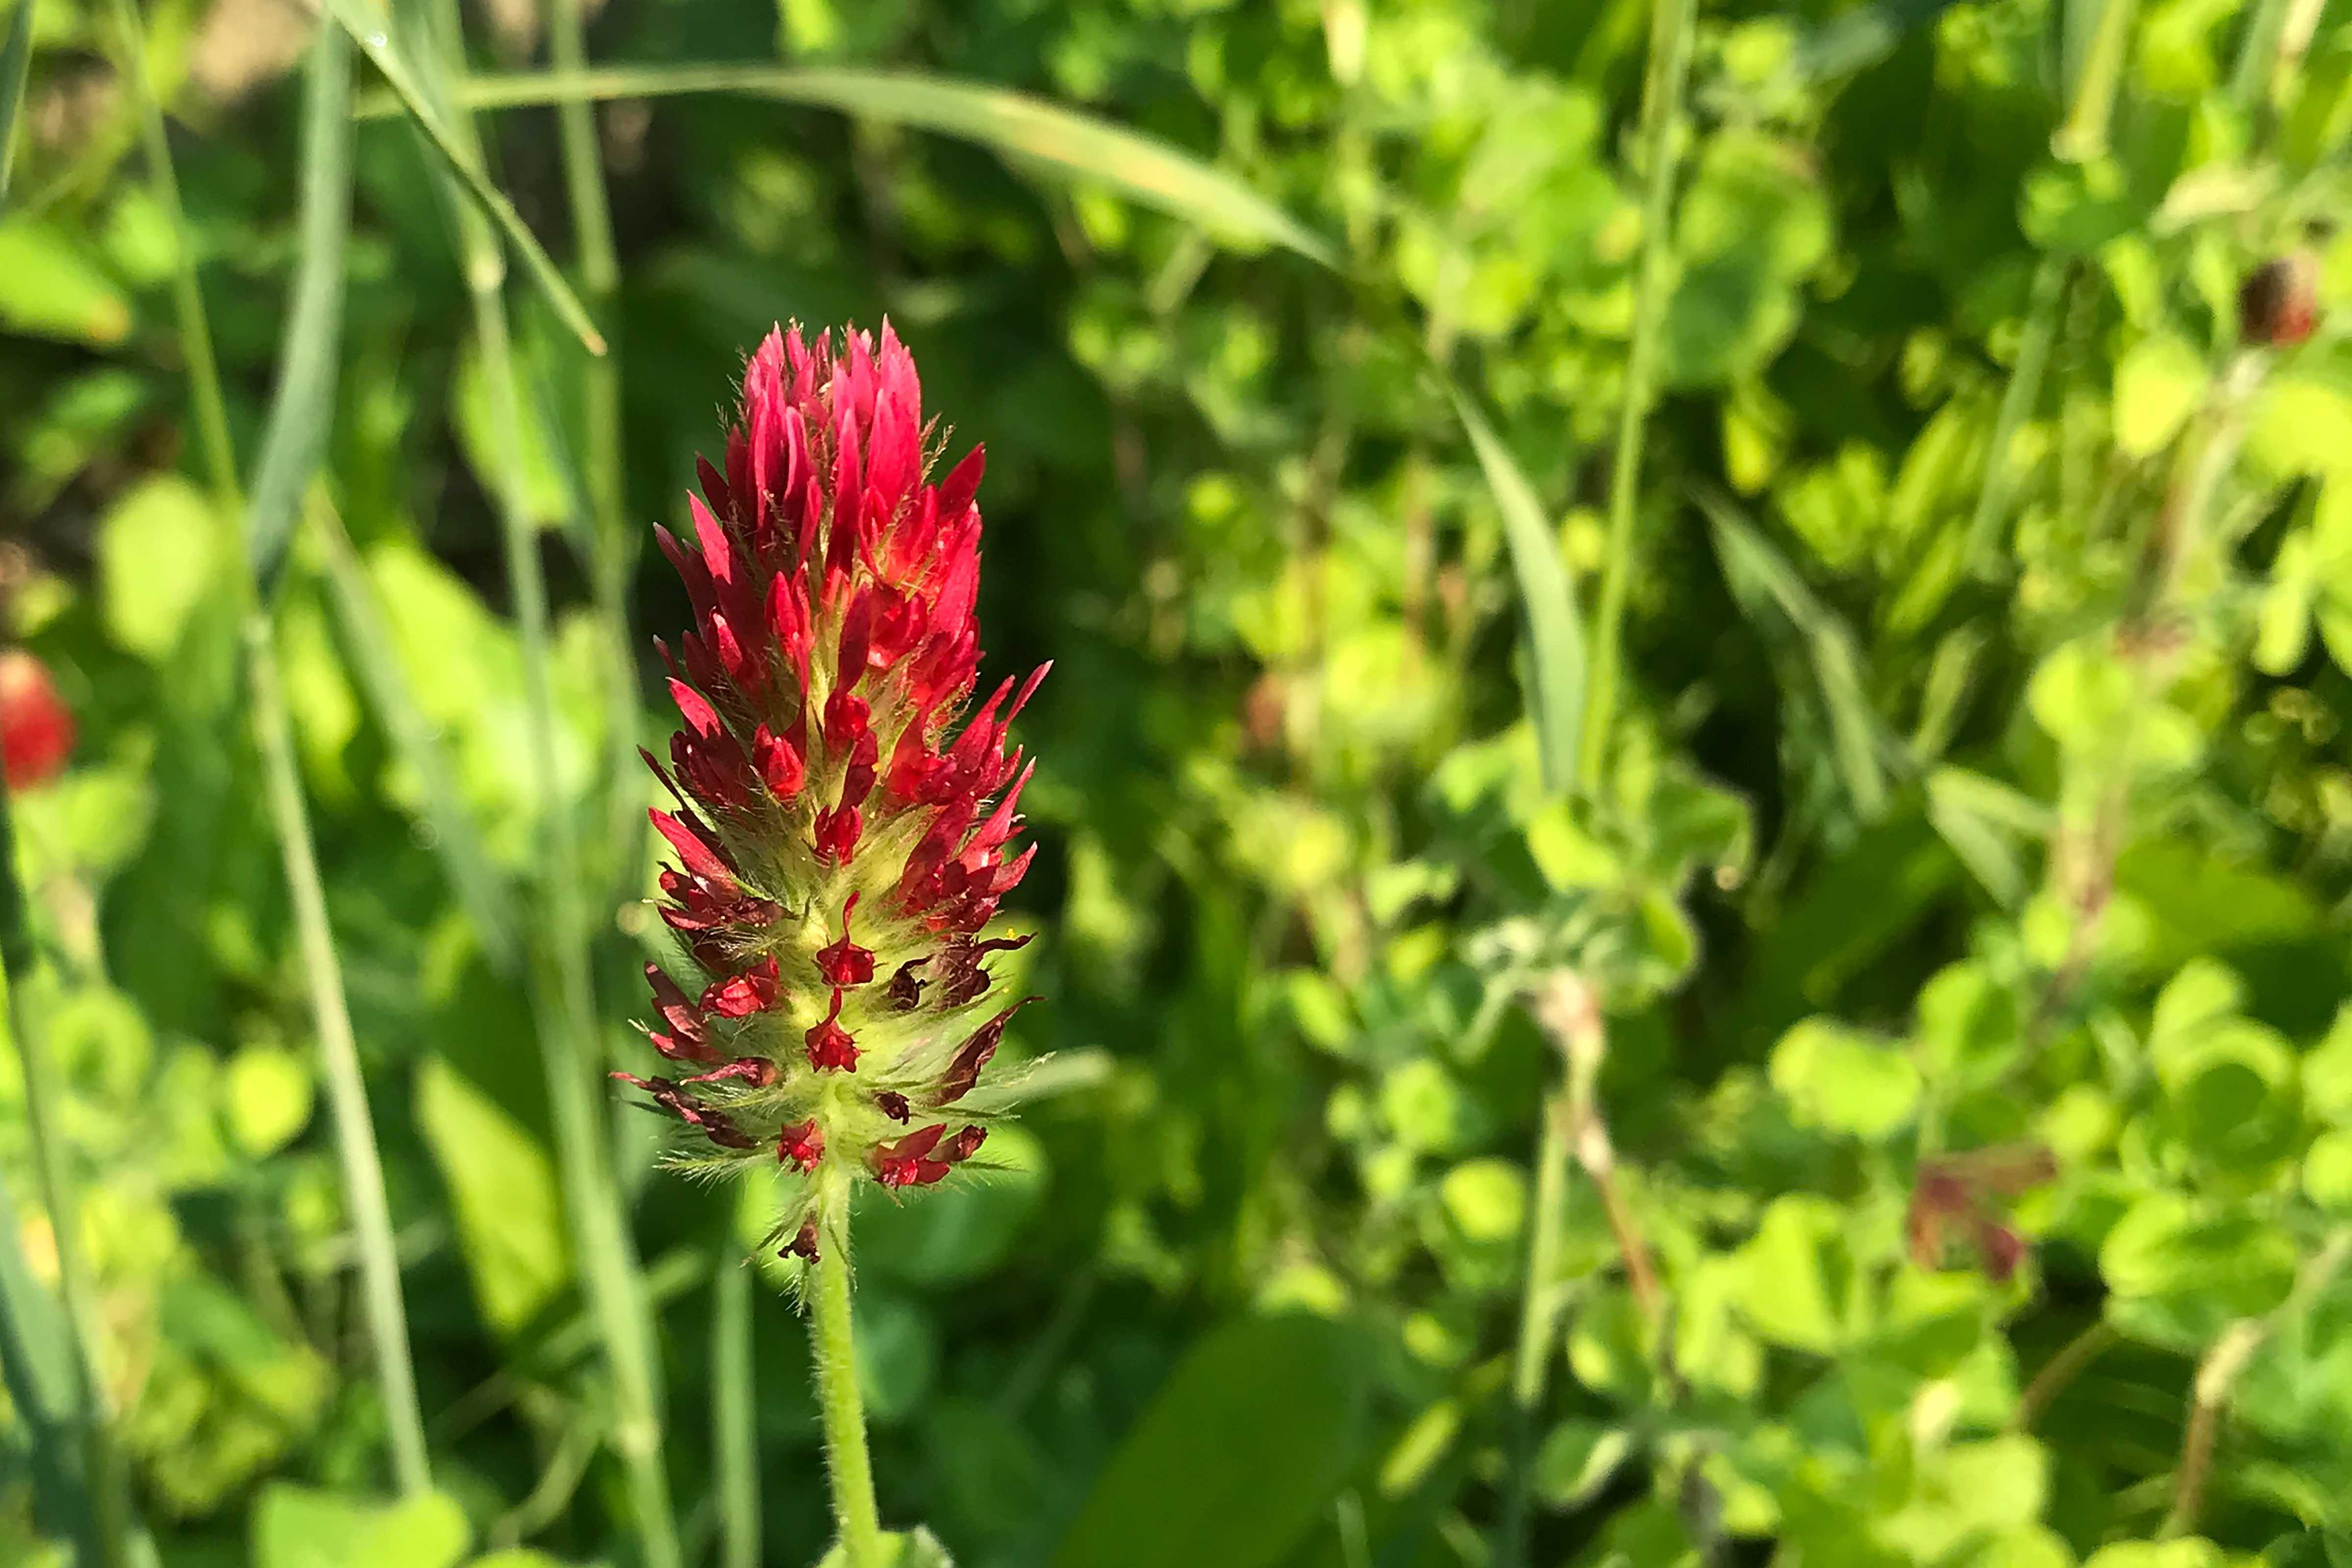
(1965, 888)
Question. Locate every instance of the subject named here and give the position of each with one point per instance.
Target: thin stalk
(2258, 53)
(2083, 136)
(733, 1416)
(1662, 135)
(855, 1515)
(610, 557)
(2060, 1370)
(2017, 401)
(187, 292)
(104, 1464)
(565, 999)
(326, 197)
(1539, 1303)
(387, 1315)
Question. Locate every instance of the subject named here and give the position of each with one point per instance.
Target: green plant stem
(2258, 53)
(1539, 1302)
(387, 1315)
(2060, 1370)
(564, 999)
(610, 557)
(2017, 400)
(2083, 136)
(734, 1415)
(855, 1515)
(107, 1467)
(187, 292)
(1661, 136)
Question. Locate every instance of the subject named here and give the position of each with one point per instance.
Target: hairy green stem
(1662, 135)
(734, 1415)
(387, 1315)
(563, 987)
(1539, 1303)
(855, 1515)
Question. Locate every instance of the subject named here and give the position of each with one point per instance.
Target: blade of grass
(734, 1415)
(36, 1364)
(187, 291)
(1662, 137)
(1777, 600)
(611, 546)
(1556, 639)
(99, 1479)
(1144, 167)
(306, 405)
(462, 159)
(480, 885)
(16, 68)
(564, 999)
(302, 406)
(2017, 400)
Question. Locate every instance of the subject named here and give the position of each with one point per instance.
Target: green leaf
(2157, 383)
(159, 557)
(49, 290)
(372, 31)
(502, 1187)
(1799, 1285)
(294, 1526)
(1843, 1081)
(1237, 1456)
(1555, 636)
(269, 1095)
(1143, 167)
(1576, 1461)
(302, 406)
(2180, 1275)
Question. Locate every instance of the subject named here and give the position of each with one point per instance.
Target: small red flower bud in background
(37, 729)
(2278, 304)
(845, 823)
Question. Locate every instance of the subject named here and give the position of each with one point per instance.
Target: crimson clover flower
(37, 729)
(840, 842)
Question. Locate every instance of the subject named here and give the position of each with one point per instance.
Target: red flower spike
(835, 755)
(831, 1048)
(801, 1145)
(844, 963)
(753, 991)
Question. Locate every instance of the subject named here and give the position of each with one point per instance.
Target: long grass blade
(187, 291)
(1662, 135)
(1776, 599)
(36, 1365)
(374, 35)
(1555, 637)
(1144, 167)
(613, 545)
(2017, 400)
(302, 407)
(50, 1361)
(16, 71)
(734, 1415)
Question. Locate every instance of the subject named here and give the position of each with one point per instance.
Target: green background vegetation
(1544, 913)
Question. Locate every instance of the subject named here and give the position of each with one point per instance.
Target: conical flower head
(844, 826)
